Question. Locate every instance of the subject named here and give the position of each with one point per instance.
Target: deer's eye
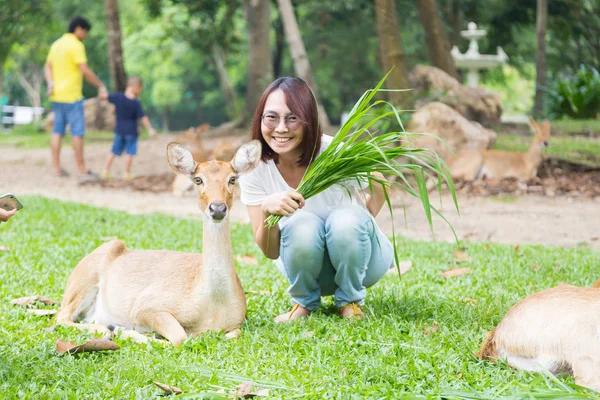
(198, 180)
(232, 180)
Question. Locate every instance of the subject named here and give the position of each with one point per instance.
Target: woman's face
(281, 129)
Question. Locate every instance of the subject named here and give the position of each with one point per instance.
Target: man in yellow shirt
(65, 67)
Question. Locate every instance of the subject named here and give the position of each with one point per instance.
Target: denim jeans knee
(359, 252)
(302, 251)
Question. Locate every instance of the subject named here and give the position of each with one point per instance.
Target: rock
(99, 116)
(445, 122)
(475, 104)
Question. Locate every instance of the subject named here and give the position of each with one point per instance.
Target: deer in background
(473, 164)
(172, 293)
(557, 330)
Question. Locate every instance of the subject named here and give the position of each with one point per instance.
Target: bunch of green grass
(356, 153)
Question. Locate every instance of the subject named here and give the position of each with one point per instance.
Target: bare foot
(296, 312)
(352, 311)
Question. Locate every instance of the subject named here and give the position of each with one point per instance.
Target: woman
(328, 244)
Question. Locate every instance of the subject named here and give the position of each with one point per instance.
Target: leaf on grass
(535, 267)
(244, 390)
(455, 272)
(262, 292)
(516, 248)
(96, 344)
(404, 266)
(461, 257)
(25, 301)
(41, 313)
(247, 259)
(459, 375)
(469, 300)
(4, 248)
(168, 389)
(431, 329)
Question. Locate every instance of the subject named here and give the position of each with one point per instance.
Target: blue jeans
(342, 256)
(127, 143)
(69, 113)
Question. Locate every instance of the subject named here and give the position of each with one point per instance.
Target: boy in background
(128, 110)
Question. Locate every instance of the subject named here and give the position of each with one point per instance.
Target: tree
(298, 52)
(439, 49)
(115, 51)
(392, 52)
(540, 56)
(260, 65)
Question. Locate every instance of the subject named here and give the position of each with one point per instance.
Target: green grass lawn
(418, 339)
(571, 126)
(575, 149)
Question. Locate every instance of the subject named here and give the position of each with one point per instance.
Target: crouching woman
(329, 244)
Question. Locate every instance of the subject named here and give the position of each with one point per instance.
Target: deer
(175, 294)
(555, 330)
(474, 164)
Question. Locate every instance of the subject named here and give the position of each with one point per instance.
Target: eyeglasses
(271, 120)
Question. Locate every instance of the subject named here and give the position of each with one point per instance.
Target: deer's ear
(532, 122)
(181, 159)
(247, 157)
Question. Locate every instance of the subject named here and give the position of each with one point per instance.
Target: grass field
(417, 342)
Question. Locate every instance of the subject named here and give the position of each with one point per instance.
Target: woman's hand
(283, 203)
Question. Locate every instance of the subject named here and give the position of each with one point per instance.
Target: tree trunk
(279, 48)
(540, 56)
(32, 87)
(164, 120)
(260, 65)
(220, 62)
(391, 52)
(298, 52)
(115, 51)
(439, 49)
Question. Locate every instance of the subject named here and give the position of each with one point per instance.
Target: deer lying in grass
(556, 329)
(472, 164)
(173, 293)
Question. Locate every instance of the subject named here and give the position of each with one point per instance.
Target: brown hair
(301, 102)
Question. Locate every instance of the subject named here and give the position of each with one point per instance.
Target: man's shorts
(127, 143)
(69, 113)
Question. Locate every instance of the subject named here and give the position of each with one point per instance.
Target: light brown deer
(557, 330)
(473, 164)
(172, 293)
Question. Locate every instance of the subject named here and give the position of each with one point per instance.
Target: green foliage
(576, 96)
(418, 338)
(515, 87)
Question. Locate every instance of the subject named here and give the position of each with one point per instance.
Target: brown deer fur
(556, 329)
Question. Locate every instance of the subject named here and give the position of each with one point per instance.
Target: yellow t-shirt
(65, 56)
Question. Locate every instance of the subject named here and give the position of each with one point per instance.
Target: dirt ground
(534, 217)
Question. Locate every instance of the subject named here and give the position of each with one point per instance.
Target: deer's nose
(217, 210)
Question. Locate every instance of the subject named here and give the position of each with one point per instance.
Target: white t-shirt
(266, 180)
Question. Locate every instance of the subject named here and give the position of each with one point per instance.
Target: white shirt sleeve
(252, 192)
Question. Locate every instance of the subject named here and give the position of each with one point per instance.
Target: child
(128, 110)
